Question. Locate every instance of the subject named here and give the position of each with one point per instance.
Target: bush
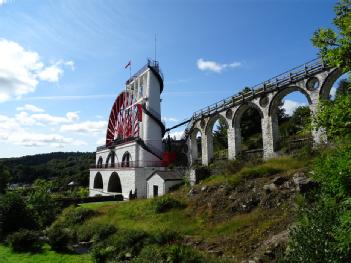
(59, 237)
(123, 245)
(75, 215)
(14, 214)
(173, 253)
(43, 206)
(164, 203)
(95, 232)
(25, 241)
(167, 236)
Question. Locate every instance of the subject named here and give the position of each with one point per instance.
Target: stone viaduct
(314, 79)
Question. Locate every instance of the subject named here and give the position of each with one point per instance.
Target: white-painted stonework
(160, 182)
(122, 166)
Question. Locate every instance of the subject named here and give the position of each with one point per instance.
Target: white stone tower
(133, 148)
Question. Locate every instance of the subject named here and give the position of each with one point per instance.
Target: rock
(128, 255)
(279, 180)
(269, 187)
(303, 183)
(192, 192)
(203, 189)
(232, 197)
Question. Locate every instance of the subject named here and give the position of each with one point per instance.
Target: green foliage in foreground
(165, 203)
(14, 214)
(335, 46)
(322, 233)
(25, 240)
(46, 256)
(335, 117)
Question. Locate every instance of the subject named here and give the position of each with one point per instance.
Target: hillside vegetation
(61, 167)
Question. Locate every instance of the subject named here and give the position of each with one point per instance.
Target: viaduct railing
(292, 76)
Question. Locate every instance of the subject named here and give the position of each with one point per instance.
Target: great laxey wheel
(125, 118)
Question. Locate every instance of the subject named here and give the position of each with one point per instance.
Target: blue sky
(62, 62)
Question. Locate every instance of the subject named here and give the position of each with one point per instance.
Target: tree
(4, 178)
(335, 47)
(220, 136)
(343, 88)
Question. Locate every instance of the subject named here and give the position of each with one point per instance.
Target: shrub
(173, 253)
(164, 203)
(123, 245)
(43, 206)
(59, 237)
(95, 232)
(167, 236)
(25, 241)
(14, 213)
(75, 215)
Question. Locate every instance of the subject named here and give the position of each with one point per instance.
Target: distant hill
(60, 166)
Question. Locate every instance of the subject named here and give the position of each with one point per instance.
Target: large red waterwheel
(124, 119)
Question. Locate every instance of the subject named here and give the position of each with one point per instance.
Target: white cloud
(92, 127)
(51, 73)
(30, 107)
(169, 119)
(101, 141)
(208, 65)
(55, 120)
(291, 105)
(11, 131)
(175, 135)
(22, 70)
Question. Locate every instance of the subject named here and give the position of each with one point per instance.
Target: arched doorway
(114, 184)
(98, 183)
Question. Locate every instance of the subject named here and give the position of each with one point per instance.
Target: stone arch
(194, 151)
(99, 162)
(242, 108)
(114, 184)
(328, 83)
(213, 153)
(126, 159)
(236, 124)
(277, 98)
(113, 157)
(98, 182)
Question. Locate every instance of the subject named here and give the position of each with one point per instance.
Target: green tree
(344, 88)
(220, 136)
(4, 178)
(40, 202)
(335, 46)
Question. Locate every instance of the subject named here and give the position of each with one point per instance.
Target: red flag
(128, 64)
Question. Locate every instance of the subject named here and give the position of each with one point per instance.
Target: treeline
(61, 167)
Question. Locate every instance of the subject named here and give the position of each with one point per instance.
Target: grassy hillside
(229, 217)
(215, 219)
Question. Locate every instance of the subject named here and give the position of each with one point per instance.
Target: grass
(47, 256)
(268, 168)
